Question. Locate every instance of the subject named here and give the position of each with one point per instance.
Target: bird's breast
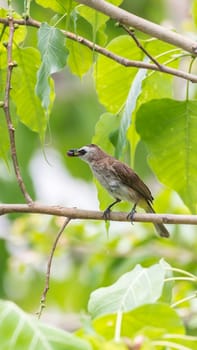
(106, 179)
(114, 185)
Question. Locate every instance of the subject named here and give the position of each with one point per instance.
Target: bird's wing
(131, 179)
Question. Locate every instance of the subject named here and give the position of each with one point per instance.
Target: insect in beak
(73, 152)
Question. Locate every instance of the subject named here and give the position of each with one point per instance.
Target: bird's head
(88, 153)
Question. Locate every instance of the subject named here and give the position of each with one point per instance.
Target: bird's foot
(131, 215)
(106, 214)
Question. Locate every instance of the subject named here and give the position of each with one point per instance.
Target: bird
(122, 183)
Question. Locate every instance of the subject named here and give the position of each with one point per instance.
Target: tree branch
(48, 272)
(74, 213)
(142, 24)
(103, 51)
(6, 108)
(131, 32)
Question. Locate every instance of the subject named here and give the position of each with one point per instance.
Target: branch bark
(74, 213)
(6, 108)
(142, 24)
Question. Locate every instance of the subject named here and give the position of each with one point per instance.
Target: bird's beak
(73, 152)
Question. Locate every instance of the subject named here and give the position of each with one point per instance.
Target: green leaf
(153, 321)
(169, 129)
(80, 58)
(105, 127)
(54, 56)
(19, 33)
(29, 109)
(18, 331)
(167, 292)
(113, 80)
(163, 52)
(96, 19)
(57, 5)
(155, 85)
(130, 106)
(115, 2)
(137, 287)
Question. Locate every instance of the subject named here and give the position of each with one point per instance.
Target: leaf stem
(180, 336)
(170, 345)
(118, 326)
(175, 269)
(180, 279)
(184, 300)
(26, 9)
(59, 20)
(189, 71)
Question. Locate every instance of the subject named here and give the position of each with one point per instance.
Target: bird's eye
(82, 152)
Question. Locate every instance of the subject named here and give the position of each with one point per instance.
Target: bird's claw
(106, 214)
(131, 215)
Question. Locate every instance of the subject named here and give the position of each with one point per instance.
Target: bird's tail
(160, 228)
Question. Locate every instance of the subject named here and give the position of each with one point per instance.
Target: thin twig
(49, 263)
(74, 213)
(6, 107)
(131, 32)
(111, 55)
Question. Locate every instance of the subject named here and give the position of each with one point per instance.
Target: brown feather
(131, 179)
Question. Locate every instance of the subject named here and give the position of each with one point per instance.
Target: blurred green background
(87, 257)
